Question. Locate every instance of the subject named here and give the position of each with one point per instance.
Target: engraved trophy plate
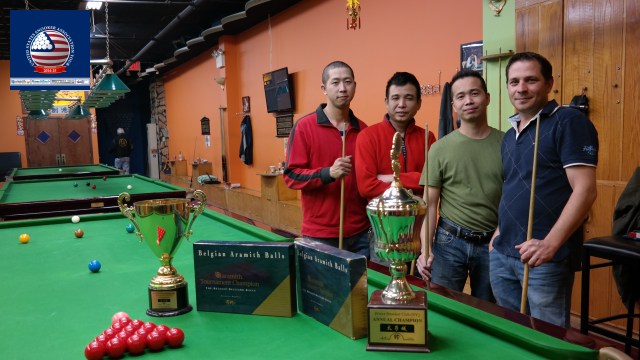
(397, 314)
(162, 224)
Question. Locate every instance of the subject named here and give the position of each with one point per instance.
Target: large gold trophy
(397, 314)
(162, 224)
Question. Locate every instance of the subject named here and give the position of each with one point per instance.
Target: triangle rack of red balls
(132, 336)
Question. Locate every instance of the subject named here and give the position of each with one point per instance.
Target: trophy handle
(128, 211)
(197, 210)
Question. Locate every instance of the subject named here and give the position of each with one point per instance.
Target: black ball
(88, 184)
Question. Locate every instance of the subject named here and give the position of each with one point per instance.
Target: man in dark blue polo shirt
(565, 190)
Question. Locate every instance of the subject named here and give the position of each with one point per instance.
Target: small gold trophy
(162, 224)
(397, 314)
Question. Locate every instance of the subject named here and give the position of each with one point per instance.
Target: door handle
(57, 159)
(64, 159)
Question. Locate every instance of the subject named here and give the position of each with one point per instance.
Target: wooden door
(43, 146)
(57, 141)
(75, 141)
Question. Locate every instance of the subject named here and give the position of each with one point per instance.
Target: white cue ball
(75, 219)
(59, 169)
(129, 187)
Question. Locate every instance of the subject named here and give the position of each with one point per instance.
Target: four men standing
(477, 180)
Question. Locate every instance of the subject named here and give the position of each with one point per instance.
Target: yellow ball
(24, 238)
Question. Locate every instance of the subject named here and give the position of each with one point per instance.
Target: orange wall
(422, 37)
(10, 108)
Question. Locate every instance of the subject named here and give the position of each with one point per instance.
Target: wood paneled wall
(593, 46)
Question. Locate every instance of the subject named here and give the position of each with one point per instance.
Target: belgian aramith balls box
(332, 287)
(245, 277)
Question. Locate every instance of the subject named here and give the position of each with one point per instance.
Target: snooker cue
(195, 144)
(525, 276)
(425, 225)
(500, 88)
(344, 136)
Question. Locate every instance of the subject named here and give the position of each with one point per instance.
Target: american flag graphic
(49, 49)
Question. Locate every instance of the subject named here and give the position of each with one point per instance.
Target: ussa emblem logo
(49, 50)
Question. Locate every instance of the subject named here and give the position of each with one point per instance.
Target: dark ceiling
(160, 34)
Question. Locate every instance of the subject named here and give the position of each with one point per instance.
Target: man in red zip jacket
(315, 165)
(373, 147)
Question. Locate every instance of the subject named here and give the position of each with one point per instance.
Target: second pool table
(23, 199)
(55, 306)
(56, 172)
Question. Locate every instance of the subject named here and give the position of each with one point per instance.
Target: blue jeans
(122, 164)
(358, 243)
(548, 293)
(455, 259)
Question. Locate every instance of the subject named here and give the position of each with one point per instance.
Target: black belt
(476, 237)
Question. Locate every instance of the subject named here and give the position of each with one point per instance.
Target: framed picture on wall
(246, 104)
(471, 56)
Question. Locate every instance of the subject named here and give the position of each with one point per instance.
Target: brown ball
(79, 233)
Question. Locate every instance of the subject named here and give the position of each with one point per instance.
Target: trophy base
(398, 327)
(168, 302)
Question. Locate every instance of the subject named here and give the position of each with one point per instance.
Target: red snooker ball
(123, 335)
(136, 344)
(116, 348)
(155, 341)
(93, 186)
(79, 233)
(162, 330)
(149, 326)
(104, 178)
(137, 323)
(95, 351)
(102, 338)
(117, 327)
(174, 337)
(109, 333)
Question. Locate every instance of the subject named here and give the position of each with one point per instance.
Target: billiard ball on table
(130, 228)
(129, 187)
(75, 219)
(24, 238)
(104, 178)
(88, 184)
(174, 337)
(94, 266)
(79, 233)
(93, 186)
(117, 316)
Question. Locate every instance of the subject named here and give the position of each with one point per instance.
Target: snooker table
(56, 172)
(25, 199)
(55, 306)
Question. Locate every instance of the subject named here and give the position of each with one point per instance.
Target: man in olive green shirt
(465, 179)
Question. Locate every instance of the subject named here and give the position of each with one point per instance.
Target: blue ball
(94, 266)
(130, 228)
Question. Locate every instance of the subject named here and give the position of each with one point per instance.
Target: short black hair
(335, 65)
(402, 78)
(464, 73)
(545, 66)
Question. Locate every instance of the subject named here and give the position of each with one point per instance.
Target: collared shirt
(566, 138)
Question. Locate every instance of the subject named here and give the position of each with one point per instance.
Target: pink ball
(120, 314)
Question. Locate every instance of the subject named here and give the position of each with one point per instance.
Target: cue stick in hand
(425, 225)
(525, 276)
(344, 137)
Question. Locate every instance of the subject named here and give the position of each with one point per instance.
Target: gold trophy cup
(162, 224)
(397, 314)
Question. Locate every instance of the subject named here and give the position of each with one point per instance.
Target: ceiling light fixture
(93, 5)
(77, 112)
